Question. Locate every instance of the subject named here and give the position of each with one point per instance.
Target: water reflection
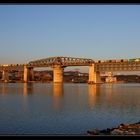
(27, 88)
(5, 89)
(93, 91)
(57, 95)
(36, 108)
(109, 91)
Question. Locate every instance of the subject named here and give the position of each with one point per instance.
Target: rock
(116, 132)
(131, 133)
(122, 129)
(95, 132)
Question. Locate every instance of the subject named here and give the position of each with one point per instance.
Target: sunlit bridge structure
(59, 63)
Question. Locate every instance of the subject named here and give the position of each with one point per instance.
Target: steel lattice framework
(118, 66)
(63, 61)
(11, 67)
(72, 61)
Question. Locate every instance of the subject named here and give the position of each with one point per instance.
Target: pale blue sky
(30, 32)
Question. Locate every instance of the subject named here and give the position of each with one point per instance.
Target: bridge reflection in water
(27, 88)
(4, 89)
(93, 92)
(57, 95)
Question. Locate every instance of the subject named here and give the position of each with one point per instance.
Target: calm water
(42, 108)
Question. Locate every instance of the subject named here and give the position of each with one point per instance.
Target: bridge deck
(118, 66)
(107, 65)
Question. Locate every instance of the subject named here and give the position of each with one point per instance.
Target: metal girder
(123, 66)
(72, 61)
(11, 67)
(63, 61)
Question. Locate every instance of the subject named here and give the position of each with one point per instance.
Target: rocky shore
(122, 129)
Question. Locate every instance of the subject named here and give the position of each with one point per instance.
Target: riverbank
(122, 129)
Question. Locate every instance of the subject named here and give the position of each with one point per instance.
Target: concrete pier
(25, 73)
(28, 74)
(31, 74)
(5, 76)
(91, 74)
(57, 74)
(97, 77)
(94, 76)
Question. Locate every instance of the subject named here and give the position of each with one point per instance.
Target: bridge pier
(57, 74)
(97, 77)
(28, 74)
(94, 76)
(91, 74)
(5, 75)
(31, 74)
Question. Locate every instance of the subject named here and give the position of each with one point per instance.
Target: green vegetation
(131, 60)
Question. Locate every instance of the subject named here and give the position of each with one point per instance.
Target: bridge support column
(5, 76)
(91, 74)
(31, 73)
(57, 74)
(97, 78)
(25, 74)
(28, 74)
(94, 76)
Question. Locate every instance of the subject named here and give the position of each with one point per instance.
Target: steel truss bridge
(58, 63)
(117, 66)
(63, 61)
(71, 61)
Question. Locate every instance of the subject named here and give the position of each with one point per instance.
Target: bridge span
(59, 63)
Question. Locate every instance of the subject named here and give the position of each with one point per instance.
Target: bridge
(59, 63)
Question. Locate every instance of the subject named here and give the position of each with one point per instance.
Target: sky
(31, 32)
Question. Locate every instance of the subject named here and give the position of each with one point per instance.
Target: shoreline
(21, 81)
(122, 129)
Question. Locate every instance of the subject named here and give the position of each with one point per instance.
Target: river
(66, 109)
